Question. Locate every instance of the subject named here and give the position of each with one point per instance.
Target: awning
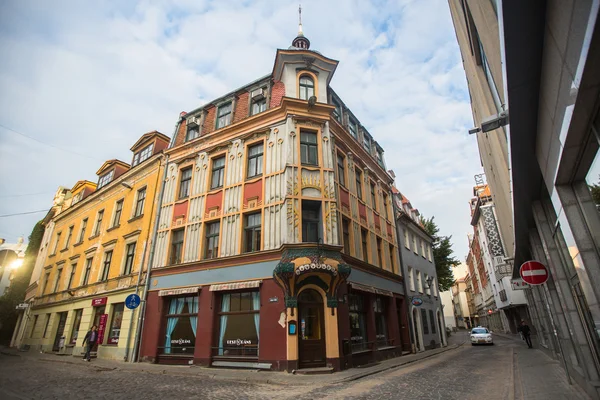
(175, 292)
(235, 286)
(371, 289)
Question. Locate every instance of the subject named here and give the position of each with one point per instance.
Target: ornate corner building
(275, 245)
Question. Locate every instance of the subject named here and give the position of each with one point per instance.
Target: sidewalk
(255, 376)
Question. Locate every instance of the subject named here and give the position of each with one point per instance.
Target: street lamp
(16, 264)
(429, 280)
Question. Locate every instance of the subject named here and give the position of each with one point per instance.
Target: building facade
(276, 243)
(418, 268)
(548, 55)
(94, 257)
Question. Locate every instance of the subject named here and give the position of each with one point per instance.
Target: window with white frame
(415, 244)
(411, 278)
(419, 282)
(224, 115)
(406, 240)
(429, 256)
(422, 248)
(106, 178)
(427, 288)
(143, 155)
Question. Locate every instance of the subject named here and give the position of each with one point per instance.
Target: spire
(300, 41)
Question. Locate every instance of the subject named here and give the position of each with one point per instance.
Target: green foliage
(595, 189)
(16, 292)
(442, 254)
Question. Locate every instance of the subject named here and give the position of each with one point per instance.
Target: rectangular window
(432, 320)
(82, 230)
(139, 204)
(406, 240)
(35, 319)
(367, 143)
(427, 289)
(346, 235)
(115, 323)
(255, 160)
(419, 282)
(118, 211)
(106, 265)
(69, 235)
(218, 173)
(71, 275)
(424, 320)
(87, 271)
(358, 326)
(176, 247)
(180, 325)
(337, 113)
(99, 218)
(252, 232)
(385, 206)
(308, 148)
(129, 257)
(224, 115)
(341, 170)
(411, 279)
(55, 248)
(143, 155)
(106, 179)
(379, 154)
(352, 128)
(185, 178)
(380, 252)
(212, 240)
(76, 324)
(422, 248)
(239, 322)
(45, 283)
(415, 245)
(46, 325)
(359, 191)
(392, 266)
(259, 106)
(365, 246)
(57, 281)
(373, 197)
(192, 133)
(429, 256)
(380, 321)
(311, 221)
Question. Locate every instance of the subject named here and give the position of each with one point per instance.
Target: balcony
(122, 282)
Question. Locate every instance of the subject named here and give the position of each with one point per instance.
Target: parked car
(481, 335)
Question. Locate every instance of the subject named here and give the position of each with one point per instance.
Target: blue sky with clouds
(91, 77)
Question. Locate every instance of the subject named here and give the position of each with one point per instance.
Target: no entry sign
(534, 272)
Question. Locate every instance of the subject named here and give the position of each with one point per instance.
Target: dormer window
(259, 101)
(224, 115)
(337, 113)
(192, 133)
(143, 155)
(307, 87)
(352, 128)
(106, 178)
(379, 153)
(367, 142)
(77, 198)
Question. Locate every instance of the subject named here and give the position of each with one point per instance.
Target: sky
(80, 82)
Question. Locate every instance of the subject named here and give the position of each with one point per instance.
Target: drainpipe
(140, 321)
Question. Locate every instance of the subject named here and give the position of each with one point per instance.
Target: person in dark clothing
(91, 338)
(526, 332)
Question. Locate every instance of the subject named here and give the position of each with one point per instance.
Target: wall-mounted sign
(102, 325)
(22, 306)
(534, 272)
(238, 342)
(132, 301)
(273, 299)
(113, 340)
(518, 284)
(100, 301)
(416, 301)
(181, 341)
(292, 328)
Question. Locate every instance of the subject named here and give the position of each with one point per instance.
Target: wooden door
(311, 332)
(59, 332)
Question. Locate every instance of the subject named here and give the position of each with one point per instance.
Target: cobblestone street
(465, 373)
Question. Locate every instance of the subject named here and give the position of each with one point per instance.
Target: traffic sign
(534, 272)
(132, 301)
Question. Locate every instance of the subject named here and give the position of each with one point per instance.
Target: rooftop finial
(300, 41)
(300, 33)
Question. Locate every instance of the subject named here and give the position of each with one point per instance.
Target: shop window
(432, 320)
(76, 324)
(218, 173)
(255, 160)
(252, 232)
(380, 321)
(424, 321)
(180, 325)
(212, 240)
(307, 87)
(358, 327)
(311, 221)
(308, 148)
(115, 324)
(346, 235)
(239, 323)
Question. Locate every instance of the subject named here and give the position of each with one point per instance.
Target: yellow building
(96, 256)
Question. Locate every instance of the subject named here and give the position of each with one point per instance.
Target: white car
(481, 335)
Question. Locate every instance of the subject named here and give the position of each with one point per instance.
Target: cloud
(91, 78)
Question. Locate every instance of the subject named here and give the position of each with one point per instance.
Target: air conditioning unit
(258, 94)
(193, 121)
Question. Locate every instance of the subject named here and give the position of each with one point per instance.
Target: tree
(595, 189)
(442, 255)
(15, 293)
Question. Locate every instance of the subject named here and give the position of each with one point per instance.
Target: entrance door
(417, 329)
(98, 312)
(59, 332)
(311, 338)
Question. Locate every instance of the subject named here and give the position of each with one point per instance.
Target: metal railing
(246, 350)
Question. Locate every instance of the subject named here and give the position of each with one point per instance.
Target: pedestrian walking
(91, 338)
(525, 332)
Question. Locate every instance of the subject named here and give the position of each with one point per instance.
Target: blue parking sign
(132, 301)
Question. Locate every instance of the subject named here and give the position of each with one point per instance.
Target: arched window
(307, 87)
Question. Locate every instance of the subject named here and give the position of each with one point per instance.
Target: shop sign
(416, 301)
(100, 301)
(113, 340)
(22, 306)
(102, 326)
(315, 267)
(273, 300)
(239, 342)
(181, 341)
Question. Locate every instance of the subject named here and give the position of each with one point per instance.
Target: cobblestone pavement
(507, 370)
